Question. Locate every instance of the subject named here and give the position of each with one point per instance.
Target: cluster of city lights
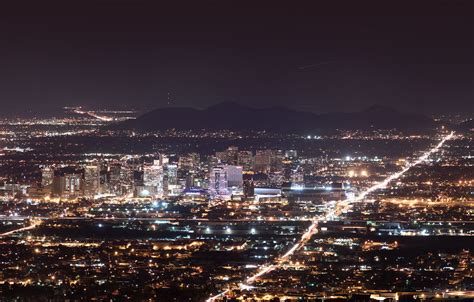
(306, 236)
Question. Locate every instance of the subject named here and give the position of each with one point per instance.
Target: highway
(104, 118)
(335, 212)
(33, 225)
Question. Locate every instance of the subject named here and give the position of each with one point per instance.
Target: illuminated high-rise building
(113, 177)
(91, 180)
(229, 156)
(234, 176)
(276, 160)
(245, 159)
(222, 157)
(189, 162)
(126, 178)
(47, 175)
(68, 182)
(153, 175)
(218, 182)
(224, 179)
(262, 160)
(248, 188)
(232, 155)
(171, 187)
(172, 174)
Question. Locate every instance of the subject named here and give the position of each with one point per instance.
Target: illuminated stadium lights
(278, 262)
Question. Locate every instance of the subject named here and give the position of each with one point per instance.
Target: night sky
(416, 56)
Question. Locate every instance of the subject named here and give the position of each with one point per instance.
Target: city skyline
(237, 151)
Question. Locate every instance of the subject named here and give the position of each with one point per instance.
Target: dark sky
(344, 56)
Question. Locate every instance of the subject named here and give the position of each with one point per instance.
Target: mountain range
(237, 117)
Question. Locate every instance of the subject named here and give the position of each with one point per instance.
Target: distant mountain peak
(227, 105)
(380, 109)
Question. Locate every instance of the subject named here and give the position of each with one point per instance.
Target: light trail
(93, 114)
(278, 262)
(392, 177)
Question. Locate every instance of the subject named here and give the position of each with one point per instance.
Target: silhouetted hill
(236, 117)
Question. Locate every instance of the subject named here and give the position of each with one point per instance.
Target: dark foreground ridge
(237, 117)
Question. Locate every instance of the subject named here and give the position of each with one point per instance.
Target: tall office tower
(288, 167)
(113, 178)
(68, 182)
(222, 157)
(172, 173)
(171, 180)
(126, 178)
(153, 177)
(218, 182)
(189, 162)
(166, 173)
(232, 155)
(262, 160)
(104, 179)
(234, 176)
(189, 181)
(91, 180)
(229, 156)
(249, 188)
(47, 175)
(276, 160)
(245, 159)
(211, 162)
